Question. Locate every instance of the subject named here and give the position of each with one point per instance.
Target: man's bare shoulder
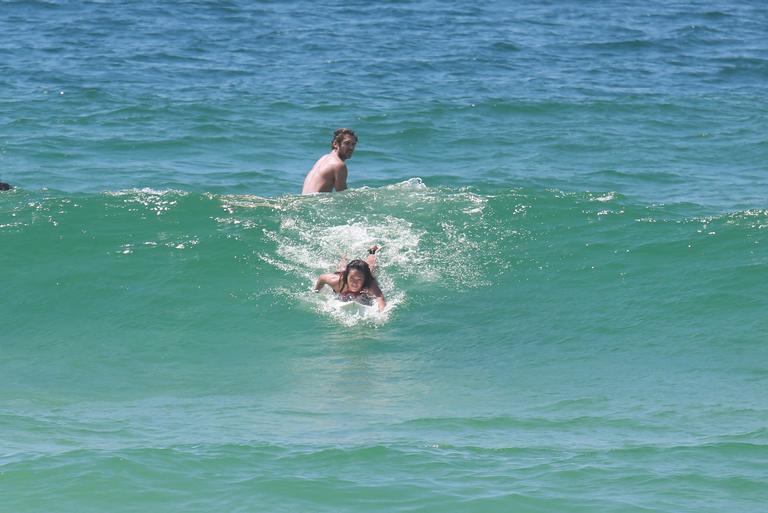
(330, 161)
(322, 176)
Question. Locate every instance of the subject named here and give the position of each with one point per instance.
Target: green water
(541, 350)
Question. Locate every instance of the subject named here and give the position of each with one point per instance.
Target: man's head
(344, 142)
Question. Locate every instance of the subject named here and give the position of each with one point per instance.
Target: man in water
(330, 171)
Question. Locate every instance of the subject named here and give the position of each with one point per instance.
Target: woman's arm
(378, 294)
(371, 258)
(323, 279)
(381, 302)
(330, 279)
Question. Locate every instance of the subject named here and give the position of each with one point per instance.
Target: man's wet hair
(338, 136)
(4, 186)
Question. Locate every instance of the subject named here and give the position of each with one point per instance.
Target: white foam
(315, 233)
(412, 183)
(350, 313)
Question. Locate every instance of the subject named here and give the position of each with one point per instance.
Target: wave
(433, 239)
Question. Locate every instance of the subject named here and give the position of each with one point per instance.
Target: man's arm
(340, 177)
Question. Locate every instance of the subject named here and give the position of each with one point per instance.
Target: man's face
(346, 147)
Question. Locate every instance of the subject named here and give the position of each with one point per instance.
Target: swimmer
(5, 187)
(354, 281)
(330, 170)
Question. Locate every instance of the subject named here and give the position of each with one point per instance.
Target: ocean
(570, 200)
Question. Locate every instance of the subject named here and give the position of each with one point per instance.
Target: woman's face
(355, 280)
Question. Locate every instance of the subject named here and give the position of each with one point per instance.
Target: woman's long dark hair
(360, 265)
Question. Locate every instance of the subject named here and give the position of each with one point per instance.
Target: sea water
(569, 197)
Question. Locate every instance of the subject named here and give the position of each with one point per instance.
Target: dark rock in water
(4, 186)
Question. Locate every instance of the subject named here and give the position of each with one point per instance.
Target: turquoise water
(570, 201)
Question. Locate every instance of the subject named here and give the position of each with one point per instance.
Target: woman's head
(356, 276)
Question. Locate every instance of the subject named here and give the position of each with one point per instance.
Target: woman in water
(354, 281)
